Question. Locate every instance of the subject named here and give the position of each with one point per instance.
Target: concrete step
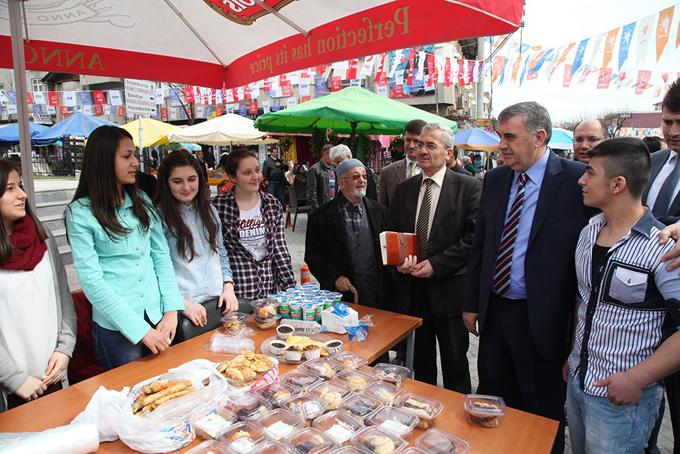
(65, 253)
(60, 237)
(51, 208)
(65, 195)
(53, 222)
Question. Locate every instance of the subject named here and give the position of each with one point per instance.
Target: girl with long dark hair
(120, 253)
(37, 319)
(252, 225)
(194, 233)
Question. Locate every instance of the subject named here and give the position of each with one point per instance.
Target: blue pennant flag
(524, 70)
(276, 104)
(85, 98)
(539, 64)
(624, 45)
(578, 59)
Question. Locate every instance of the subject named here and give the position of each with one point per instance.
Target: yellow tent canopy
(154, 132)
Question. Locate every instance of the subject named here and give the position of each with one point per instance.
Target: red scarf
(28, 249)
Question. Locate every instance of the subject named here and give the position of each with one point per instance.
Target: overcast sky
(552, 23)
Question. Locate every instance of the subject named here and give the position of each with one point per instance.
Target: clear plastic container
(271, 447)
(242, 438)
(277, 393)
(265, 309)
(310, 441)
(393, 420)
(374, 440)
(346, 450)
(348, 360)
(322, 367)
(425, 408)
(301, 378)
(386, 393)
(487, 411)
(436, 441)
(250, 406)
(208, 447)
(339, 425)
(392, 373)
(413, 450)
(214, 423)
(280, 424)
(307, 407)
(360, 406)
(356, 380)
(234, 323)
(305, 326)
(331, 393)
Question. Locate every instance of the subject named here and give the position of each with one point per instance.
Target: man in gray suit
(405, 168)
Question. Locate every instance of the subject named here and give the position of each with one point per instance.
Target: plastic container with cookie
(330, 393)
(306, 406)
(265, 313)
(436, 441)
(425, 408)
(208, 447)
(278, 392)
(271, 447)
(250, 406)
(213, 422)
(346, 450)
(377, 441)
(486, 411)
(310, 441)
(339, 425)
(248, 369)
(322, 367)
(392, 373)
(280, 424)
(242, 438)
(301, 378)
(360, 406)
(234, 323)
(348, 360)
(355, 379)
(386, 393)
(393, 420)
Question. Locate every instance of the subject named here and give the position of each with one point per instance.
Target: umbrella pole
(17, 33)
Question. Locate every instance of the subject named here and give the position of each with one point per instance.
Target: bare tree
(613, 121)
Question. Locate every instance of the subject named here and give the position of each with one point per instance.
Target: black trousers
(509, 365)
(453, 341)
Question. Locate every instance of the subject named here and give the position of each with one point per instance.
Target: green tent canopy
(368, 112)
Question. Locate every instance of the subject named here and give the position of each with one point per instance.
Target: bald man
(587, 134)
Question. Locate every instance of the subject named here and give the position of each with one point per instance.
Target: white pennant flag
(291, 101)
(218, 96)
(107, 109)
(230, 95)
(114, 98)
(159, 96)
(304, 89)
(421, 65)
(382, 90)
(12, 109)
(70, 99)
(399, 77)
(87, 109)
(39, 98)
(3, 98)
(367, 66)
(397, 59)
(240, 93)
(439, 62)
(265, 106)
(255, 91)
(52, 110)
(294, 78)
(644, 34)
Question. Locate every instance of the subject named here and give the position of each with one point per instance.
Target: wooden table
(520, 432)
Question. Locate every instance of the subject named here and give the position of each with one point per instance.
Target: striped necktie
(501, 277)
(424, 220)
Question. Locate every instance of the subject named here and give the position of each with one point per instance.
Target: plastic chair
(187, 330)
(294, 206)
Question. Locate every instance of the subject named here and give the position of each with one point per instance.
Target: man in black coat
(440, 206)
(342, 248)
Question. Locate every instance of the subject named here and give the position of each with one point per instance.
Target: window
(37, 85)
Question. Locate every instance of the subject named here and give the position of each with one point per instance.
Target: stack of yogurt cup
(305, 302)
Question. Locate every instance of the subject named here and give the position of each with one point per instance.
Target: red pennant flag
(461, 73)
(411, 66)
(320, 69)
(398, 91)
(252, 108)
(380, 76)
(188, 93)
(266, 87)
(53, 98)
(286, 88)
(29, 97)
(305, 98)
(99, 97)
(604, 78)
(121, 111)
(352, 70)
(470, 73)
(246, 92)
(164, 112)
(567, 75)
(98, 109)
(642, 81)
(429, 59)
(447, 72)
(336, 83)
(63, 110)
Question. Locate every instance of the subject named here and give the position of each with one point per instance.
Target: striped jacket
(256, 279)
(622, 312)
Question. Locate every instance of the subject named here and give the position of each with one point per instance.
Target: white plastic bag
(71, 439)
(103, 408)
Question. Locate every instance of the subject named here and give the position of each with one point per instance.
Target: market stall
(153, 132)
(76, 125)
(228, 129)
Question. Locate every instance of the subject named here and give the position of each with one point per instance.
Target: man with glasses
(587, 135)
(342, 248)
(403, 169)
(440, 207)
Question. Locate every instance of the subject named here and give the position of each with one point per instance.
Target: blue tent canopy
(477, 139)
(561, 139)
(77, 124)
(9, 135)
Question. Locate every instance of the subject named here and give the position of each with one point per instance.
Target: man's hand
(470, 322)
(196, 313)
(622, 388)
(56, 368)
(671, 231)
(156, 341)
(342, 284)
(32, 388)
(565, 372)
(228, 298)
(408, 265)
(168, 324)
(423, 270)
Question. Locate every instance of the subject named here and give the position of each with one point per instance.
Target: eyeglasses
(356, 177)
(430, 146)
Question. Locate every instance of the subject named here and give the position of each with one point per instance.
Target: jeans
(113, 349)
(598, 426)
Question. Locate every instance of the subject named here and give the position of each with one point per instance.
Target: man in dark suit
(440, 206)
(521, 285)
(403, 169)
(342, 248)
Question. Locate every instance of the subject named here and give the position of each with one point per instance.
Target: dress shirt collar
(127, 202)
(437, 178)
(537, 170)
(345, 203)
(643, 226)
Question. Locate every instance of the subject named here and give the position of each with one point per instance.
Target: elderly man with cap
(341, 153)
(342, 248)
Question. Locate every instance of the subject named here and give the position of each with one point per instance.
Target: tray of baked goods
(294, 349)
(248, 369)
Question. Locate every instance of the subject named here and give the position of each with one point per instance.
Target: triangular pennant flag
(663, 28)
(643, 38)
(609, 43)
(624, 45)
(642, 81)
(604, 78)
(578, 58)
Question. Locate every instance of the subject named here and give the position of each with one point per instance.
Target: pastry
(380, 444)
(265, 323)
(240, 434)
(311, 443)
(481, 418)
(331, 399)
(293, 353)
(267, 311)
(386, 396)
(281, 395)
(159, 392)
(312, 351)
(356, 382)
(245, 367)
(348, 363)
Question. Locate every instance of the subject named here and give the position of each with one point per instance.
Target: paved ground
(296, 245)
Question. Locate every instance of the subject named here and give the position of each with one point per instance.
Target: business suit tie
(663, 199)
(424, 220)
(501, 277)
(412, 168)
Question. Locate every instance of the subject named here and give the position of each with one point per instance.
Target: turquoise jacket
(126, 277)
